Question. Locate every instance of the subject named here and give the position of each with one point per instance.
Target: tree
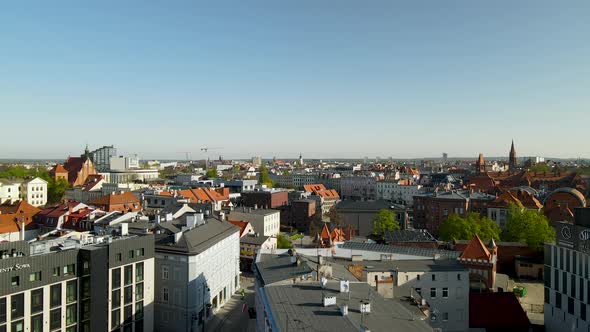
(528, 226)
(335, 217)
(283, 242)
(264, 178)
(384, 221)
(458, 228)
(540, 168)
(211, 174)
(56, 190)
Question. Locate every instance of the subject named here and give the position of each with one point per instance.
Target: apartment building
(84, 283)
(197, 271)
(566, 275)
(264, 221)
(398, 193)
(361, 188)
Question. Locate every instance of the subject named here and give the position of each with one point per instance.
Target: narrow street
(232, 317)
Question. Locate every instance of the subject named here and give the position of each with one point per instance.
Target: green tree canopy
(211, 173)
(458, 228)
(528, 226)
(384, 221)
(283, 242)
(56, 190)
(264, 178)
(540, 168)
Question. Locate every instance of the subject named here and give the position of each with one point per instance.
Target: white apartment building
(397, 193)
(443, 283)
(34, 191)
(9, 190)
(197, 271)
(264, 221)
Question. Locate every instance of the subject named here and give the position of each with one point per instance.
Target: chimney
(124, 229)
(22, 228)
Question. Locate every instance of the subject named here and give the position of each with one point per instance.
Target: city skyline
(330, 80)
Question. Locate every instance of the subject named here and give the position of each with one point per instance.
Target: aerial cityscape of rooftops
(280, 166)
(116, 242)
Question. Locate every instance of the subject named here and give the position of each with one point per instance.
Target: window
(15, 281)
(55, 298)
(71, 291)
(71, 314)
(128, 314)
(85, 312)
(18, 326)
(547, 295)
(419, 291)
(570, 305)
(418, 276)
(138, 272)
(131, 254)
(56, 271)
(433, 293)
(583, 311)
(119, 257)
(445, 292)
(165, 272)
(17, 306)
(35, 276)
(55, 318)
(116, 278)
(128, 294)
(558, 300)
(69, 269)
(139, 292)
(138, 252)
(458, 276)
(37, 323)
(445, 316)
(37, 300)
(128, 274)
(86, 267)
(85, 287)
(573, 285)
(115, 318)
(116, 298)
(3, 310)
(433, 277)
(564, 282)
(165, 294)
(138, 310)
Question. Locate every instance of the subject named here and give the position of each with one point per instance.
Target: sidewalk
(231, 318)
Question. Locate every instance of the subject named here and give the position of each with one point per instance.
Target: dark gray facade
(49, 286)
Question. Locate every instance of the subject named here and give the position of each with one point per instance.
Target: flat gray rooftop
(299, 307)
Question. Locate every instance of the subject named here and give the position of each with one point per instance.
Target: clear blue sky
(325, 78)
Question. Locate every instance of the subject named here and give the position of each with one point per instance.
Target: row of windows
(434, 292)
(131, 254)
(570, 261)
(37, 276)
(570, 304)
(17, 306)
(128, 317)
(433, 277)
(128, 275)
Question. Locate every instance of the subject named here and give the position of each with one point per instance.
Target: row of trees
(527, 226)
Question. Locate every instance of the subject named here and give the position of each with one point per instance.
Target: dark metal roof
(275, 268)
(197, 239)
(426, 252)
(409, 235)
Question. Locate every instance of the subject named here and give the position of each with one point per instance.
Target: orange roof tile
(241, 224)
(121, 198)
(476, 250)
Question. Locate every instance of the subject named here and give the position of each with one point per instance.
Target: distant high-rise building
(301, 160)
(512, 157)
(101, 157)
(445, 157)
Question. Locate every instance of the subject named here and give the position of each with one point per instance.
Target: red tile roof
(476, 250)
(241, 224)
(117, 199)
(58, 168)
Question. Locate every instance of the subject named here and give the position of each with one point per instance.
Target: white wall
(267, 225)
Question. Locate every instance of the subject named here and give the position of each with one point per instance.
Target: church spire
(512, 157)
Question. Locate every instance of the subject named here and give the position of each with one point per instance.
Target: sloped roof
(18, 206)
(116, 199)
(409, 235)
(58, 168)
(476, 250)
(241, 224)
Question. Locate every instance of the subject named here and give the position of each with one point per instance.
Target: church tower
(512, 158)
(480, 166)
